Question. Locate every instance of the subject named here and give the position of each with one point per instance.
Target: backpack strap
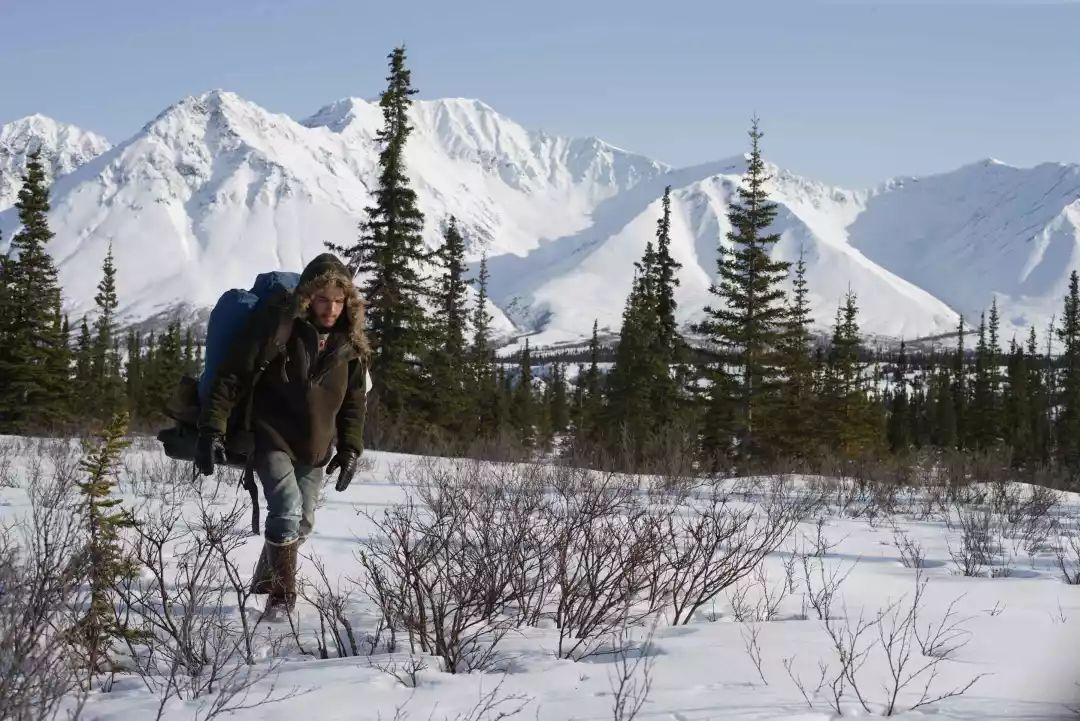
(248, 482)
(276, 346)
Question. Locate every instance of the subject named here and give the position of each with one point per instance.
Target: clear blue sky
(849, 92)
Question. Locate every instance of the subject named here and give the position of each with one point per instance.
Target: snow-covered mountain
(216, 189)
(64, 147)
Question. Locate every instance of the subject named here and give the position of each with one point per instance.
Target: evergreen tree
(979, 427)
(629, 412)
(84, 359)
(1017, 407)
(106, 391)
(163, 371)
(793, 423)
(103, 557)
(523, 411)
(34, 395)
(960, 388)
(749, 320)
(134, 377)
(1068, 419)
(592, 404)
(559, 407)
(390, 254)
(1039, 419)
(449, 364)
(7, 314)
(900, 425)
(667, 344)
(484, 391)
(851, 418)
(942, 402)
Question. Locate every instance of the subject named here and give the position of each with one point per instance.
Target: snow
(1023, 629)
(216, 189)
(64, 147)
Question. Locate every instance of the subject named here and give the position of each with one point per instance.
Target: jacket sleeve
(233, 376)
(350, 418)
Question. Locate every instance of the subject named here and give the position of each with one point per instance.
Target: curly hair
(353, 316)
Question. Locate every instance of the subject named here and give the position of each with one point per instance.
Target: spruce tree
(900, 425)
(107, 389)
(84, 359)
(592, 403)
(981, 409)
(960, 389)
(449, 363)
(484, 389)
(390, 255)
(1039, 419)
(850, 416)
(749, 320)
(1017, 406)
(667, 350)
(103, 560)
(134, 368)
(163, 371)
(523, 409)
(559, 409)
(629, 418)
(793, 422)
(7, 314)
(1068, 419)
(942, 402)
(35, 392)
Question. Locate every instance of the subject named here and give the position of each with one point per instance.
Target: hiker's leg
(310, 481)
(284, 503)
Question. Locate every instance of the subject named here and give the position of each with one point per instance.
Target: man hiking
(308, 399)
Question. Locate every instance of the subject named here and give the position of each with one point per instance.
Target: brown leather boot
(281, 558)
(260, 581)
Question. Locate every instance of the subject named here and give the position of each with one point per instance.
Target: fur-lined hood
(324, 271)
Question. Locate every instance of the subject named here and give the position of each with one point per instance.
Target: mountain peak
(64, 147)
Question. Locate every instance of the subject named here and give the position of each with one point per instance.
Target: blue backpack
(228, 318)
(231, 314)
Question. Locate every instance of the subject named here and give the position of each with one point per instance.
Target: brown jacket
(304, 401)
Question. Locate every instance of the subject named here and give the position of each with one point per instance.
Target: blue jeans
(291, 491)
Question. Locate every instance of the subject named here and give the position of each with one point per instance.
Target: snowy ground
(1022, 629)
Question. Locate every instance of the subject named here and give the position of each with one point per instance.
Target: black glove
(345, 461)
(209, 449)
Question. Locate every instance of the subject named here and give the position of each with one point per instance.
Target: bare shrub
(911, 551)
(631, 677)
(441, 571)
(822, 591)
(1067, 550)
(767, 598)
(604, 549)
(714, 545)
(976, 549)
(40, 592)
(912, 658)
(190, 646)
(331, 603)
(406, 672)
(751, 643)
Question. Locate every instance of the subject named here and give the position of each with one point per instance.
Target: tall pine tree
(390, 255)
(449, 363)
(1068, 419)
(749, 320)
(792, 430)
(34, 395)
(106, 372)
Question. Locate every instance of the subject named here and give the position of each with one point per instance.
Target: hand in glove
(345, 461)
(209, 449)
